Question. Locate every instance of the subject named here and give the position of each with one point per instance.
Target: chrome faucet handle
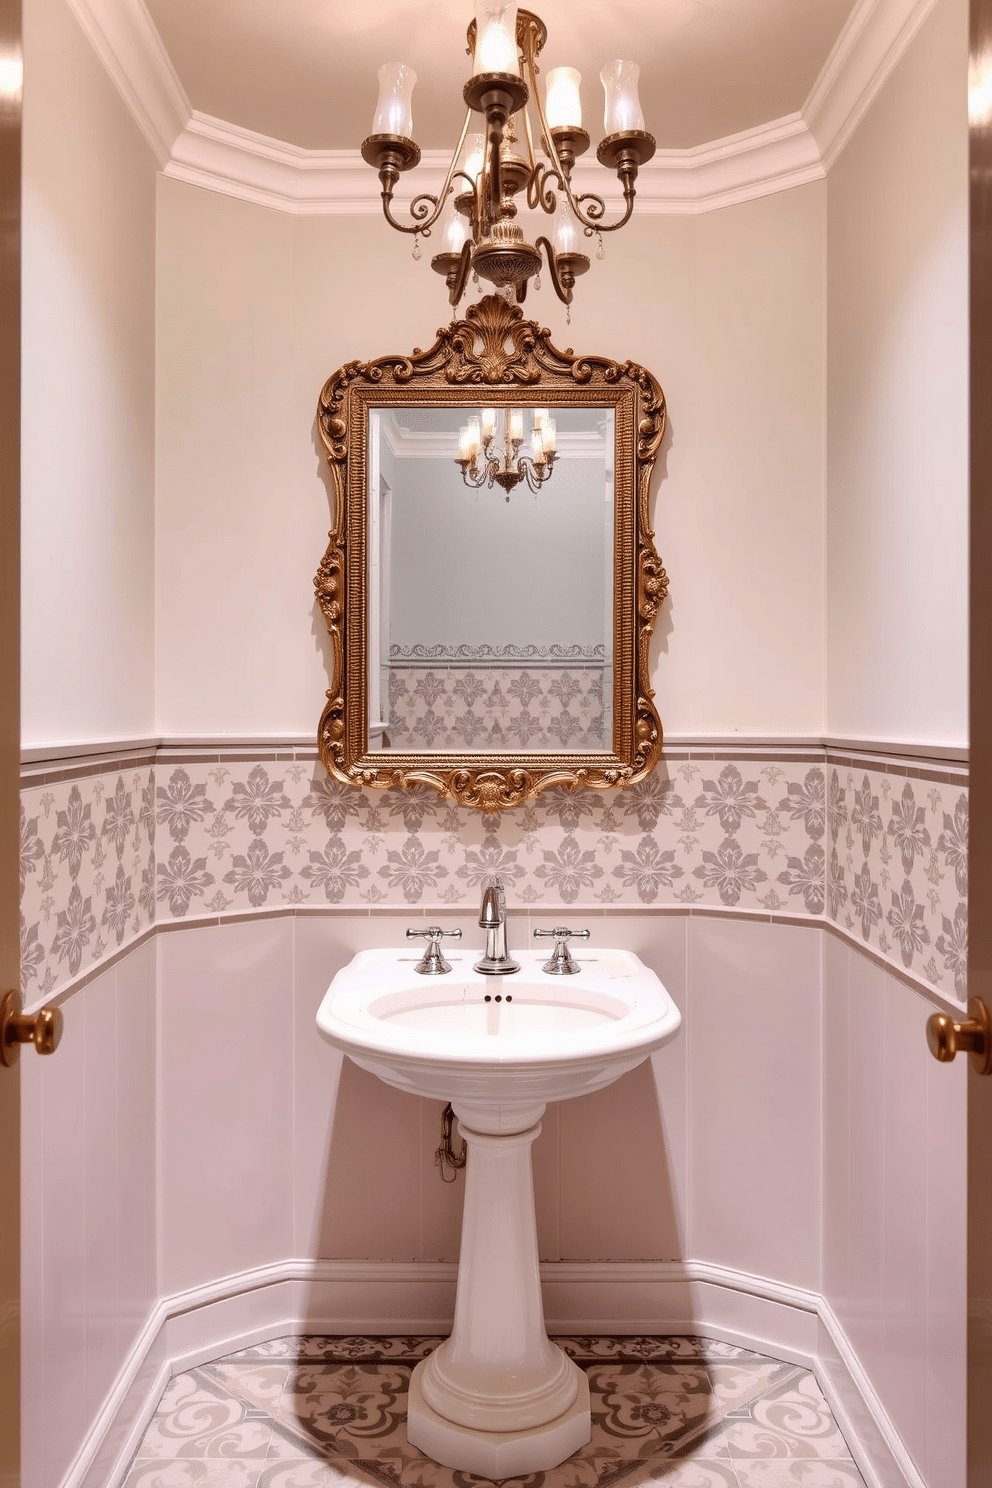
(432, 963)
(561, 962)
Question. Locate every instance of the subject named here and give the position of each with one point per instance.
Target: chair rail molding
(218, 156)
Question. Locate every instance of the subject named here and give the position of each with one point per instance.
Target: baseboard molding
(380, 1297)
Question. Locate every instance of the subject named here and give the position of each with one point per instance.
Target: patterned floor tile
(310, 1412)
(653, 1410)
(790, 1418)
(816, 1473)
(737, 1383)
(199, 1418)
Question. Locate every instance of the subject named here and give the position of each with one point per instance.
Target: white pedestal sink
(498, 1398)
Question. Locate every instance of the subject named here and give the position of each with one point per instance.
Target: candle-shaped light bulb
(549, 436)
(562, 106)
(488, 424)
(472, 158)
(623, 111)
(455, 233)
(540, 417)
(516, 426)
(474, 443)
(495, 37)
(564, 237)
(464, 453)
(394, 113)
(537, 444)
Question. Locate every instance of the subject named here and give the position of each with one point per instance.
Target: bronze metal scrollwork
(493, 356)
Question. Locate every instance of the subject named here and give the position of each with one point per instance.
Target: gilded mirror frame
(493, 348)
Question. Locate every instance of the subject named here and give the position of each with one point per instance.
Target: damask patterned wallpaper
(877, 847)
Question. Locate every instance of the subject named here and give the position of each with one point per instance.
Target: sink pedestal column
(497, 1398)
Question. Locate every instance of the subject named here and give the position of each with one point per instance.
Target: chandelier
(490, 169)
(507, 467)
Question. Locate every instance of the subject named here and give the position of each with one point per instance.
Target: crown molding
(872, 42)
(217, 156)
(269, 173)
(123, 35)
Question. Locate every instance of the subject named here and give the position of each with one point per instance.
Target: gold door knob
(43, 1029)
(973, 1035)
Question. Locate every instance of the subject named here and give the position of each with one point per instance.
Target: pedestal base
(498, 1454)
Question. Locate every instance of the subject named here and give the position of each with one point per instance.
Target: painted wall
(256, 309)
(88, 414)
(472, 567)
(897, 337)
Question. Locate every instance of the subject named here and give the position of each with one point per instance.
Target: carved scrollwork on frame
(490, 356)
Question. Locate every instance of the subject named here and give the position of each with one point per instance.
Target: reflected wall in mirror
(491, 583)
(490, 609)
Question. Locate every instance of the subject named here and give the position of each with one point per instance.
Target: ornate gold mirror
(491, 583)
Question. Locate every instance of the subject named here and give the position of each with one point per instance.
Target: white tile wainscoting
(202, 1172)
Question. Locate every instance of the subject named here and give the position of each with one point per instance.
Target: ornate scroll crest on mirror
(495, 367)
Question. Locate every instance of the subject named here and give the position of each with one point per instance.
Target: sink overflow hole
(499, 997)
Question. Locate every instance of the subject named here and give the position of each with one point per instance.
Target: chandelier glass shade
(495, 438)
(491, 167)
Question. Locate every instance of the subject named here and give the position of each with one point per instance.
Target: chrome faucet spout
(497, 960)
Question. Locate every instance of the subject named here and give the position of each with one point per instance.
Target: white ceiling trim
(124, 37)
(876, 35)
(269, 173)
(218, 156)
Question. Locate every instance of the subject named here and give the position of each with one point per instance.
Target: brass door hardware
(43, 1029)
(973, 1035)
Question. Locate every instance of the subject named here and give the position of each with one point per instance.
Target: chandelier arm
(593, 222)
(477, 481)
(419, 210)
(539, 194)
(535, 480)
(565, 295)
(598, 208)
(531, 157)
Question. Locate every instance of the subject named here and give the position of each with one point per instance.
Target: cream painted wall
(88, 396)
(256, 309)
(897, 342)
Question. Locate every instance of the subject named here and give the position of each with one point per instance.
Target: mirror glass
(490, 611)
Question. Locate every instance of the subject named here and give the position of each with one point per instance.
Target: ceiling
(304, 71)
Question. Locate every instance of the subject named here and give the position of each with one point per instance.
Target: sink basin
(514, 1040)
(498, 1399)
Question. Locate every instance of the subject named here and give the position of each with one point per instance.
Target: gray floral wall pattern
(877, 848)
(536, 709)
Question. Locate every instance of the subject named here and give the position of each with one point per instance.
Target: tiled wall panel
(878, 847)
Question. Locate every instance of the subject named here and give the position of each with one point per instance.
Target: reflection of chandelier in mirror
(487, 172)
(506, 467)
